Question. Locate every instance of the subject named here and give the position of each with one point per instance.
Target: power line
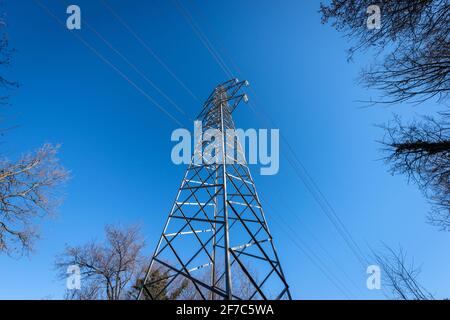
(203, 38)
(148, 49)
(309, 252)
(110, 64)
(319, 197)
(318, 243)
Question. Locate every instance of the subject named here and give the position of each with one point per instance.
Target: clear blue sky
(117, 144)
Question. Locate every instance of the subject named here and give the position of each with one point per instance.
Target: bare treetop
(415, 35)
(108, 269)
(401, 276)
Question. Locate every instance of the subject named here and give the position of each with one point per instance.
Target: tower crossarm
(228, 92)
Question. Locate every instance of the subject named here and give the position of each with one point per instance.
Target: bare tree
(414, 36)
(108, 269)
(28, 187)
(27, 192)
(421, 150)
(400, 276)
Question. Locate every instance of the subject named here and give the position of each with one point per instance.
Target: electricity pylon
(216, 241)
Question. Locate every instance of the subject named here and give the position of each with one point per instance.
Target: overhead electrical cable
(148, 49)
(111, 65)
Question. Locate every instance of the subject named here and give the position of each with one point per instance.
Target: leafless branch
(27, 191)
(400, 276)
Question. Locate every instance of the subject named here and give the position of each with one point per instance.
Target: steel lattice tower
(216, 237)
